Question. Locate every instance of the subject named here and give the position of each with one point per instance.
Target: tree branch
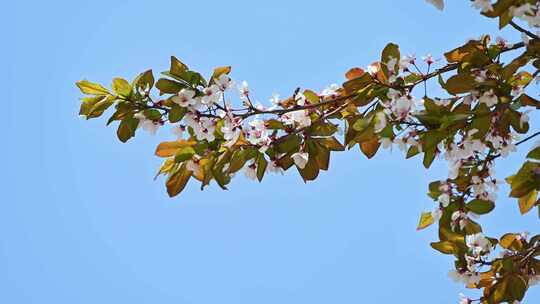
(527, 32)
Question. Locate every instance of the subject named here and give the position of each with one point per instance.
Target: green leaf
(177, 67)
(311, 170)
(88, 104)
(391, 50)
(122, 110)
(126, 129)
(358, 83)
(534, 153)
(290, 143)
(323, 129)
(460, 83)
(261, 166)
(481, 121)
(184, 153)
(413, 151)
(311, 96)
(176, 113)
(167, 86)
(479, 206)
(429, 157)
(145, 80)
(517, 286)
(434, 190)
(239, 158)
(274, 124)
(91, 88)
(322, 157)
(152, 114)
(511, 68)
(361, 124)
(527, 202)
(331, 143)
(525, 180)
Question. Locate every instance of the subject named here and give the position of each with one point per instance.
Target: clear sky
(82, 221)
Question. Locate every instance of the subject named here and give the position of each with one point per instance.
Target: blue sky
(82, 221)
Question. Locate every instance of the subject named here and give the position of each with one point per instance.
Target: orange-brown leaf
(169, 148)
(354, 73)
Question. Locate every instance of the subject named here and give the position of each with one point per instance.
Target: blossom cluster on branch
(482, 118)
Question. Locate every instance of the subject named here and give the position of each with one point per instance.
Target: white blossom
(525, 38)
(401, 143)
(211, 95)
(436, 214)
(463, 299)
(522, 11)
(444, 199)
(146, 124)
(224, 82)
(330, 92)
(517, 90)
(250, 171)
(478, 243)
(507, 148)
(428, 59)
(372, 69)
(385, 142)
(300, 159)
(185, 98)
(257, 134)
(483, 5)
(300, 118)
(489, 98)
(179, 131)
(232, 128)
(380, 122)
(524, 118)
(464, 277)
(274, 167)
(193, 164)
(243, 89)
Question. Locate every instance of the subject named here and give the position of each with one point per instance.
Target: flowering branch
(476, 121)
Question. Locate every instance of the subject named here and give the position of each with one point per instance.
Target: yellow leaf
(426, 219)
(166, 167)
(499, 291)
(220, 71)
(169, 148)
(199, 174)
(511, 241)
(121, 87)
(527, 201)
(92, 88)
(445, 247)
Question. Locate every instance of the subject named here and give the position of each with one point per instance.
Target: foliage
(476, 124)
